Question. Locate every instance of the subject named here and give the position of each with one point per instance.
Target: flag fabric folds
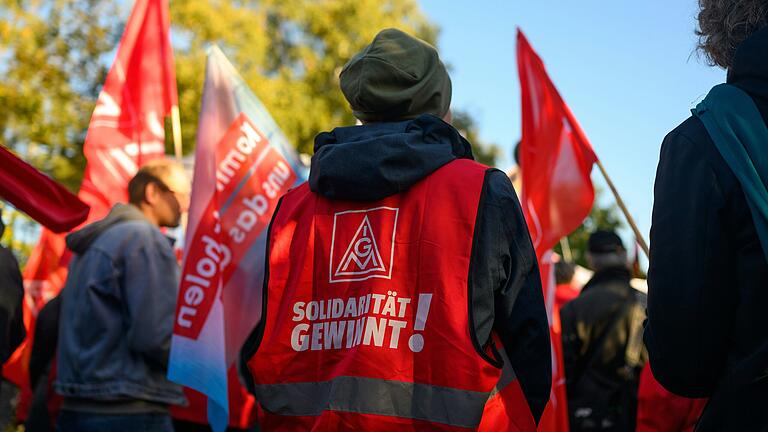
(126, 130)
(127, 125)
(555, 155)
(38, 195)
(243, 164)
(557, 193)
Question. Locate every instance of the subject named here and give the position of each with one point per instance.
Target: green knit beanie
(396, 77)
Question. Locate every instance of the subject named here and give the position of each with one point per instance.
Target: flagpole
(565, 245)
(638, 236)
(176, 128)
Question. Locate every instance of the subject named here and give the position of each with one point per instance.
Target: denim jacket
(117, 312)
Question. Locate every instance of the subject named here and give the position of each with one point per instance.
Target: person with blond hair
(117, 310)
(707, 330)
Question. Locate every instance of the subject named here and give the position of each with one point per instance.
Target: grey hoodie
(117, 312)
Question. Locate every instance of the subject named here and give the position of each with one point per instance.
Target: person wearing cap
(402, 290)
(603, 351)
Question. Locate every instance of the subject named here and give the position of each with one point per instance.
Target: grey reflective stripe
(461, 408)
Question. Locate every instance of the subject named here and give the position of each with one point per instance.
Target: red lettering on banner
(251, 176)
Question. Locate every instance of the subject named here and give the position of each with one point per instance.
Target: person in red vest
(402, 290)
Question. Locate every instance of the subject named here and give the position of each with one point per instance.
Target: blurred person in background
(565, 290)
(515, 173)
(45, 404)
(602, 341)
(117, 311)
(12, 331)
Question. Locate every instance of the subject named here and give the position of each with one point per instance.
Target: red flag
(39, 196)
(127, 126)
(556, 160)
(126, 130)
(555, 156)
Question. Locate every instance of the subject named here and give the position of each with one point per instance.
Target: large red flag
(556, 160)
(127, 126)
(555, 155)
(126, 130)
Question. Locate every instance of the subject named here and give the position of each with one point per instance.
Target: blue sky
(628, 70)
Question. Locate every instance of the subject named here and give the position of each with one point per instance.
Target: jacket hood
(79, 241)
(373, 161)
(750, 67)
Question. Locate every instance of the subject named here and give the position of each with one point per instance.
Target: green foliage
(290, 52)
(19, 229)
(601, 217)
(485, 153)
(55, 54)
(50, 55)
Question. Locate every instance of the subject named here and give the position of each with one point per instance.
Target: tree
(19, 228)
(484, 153)
(52, 66)
(55, 55)
(600, 217)
(290, 52)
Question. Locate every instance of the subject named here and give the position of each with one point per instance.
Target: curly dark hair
(724, 24)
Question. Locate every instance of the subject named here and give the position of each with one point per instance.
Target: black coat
(12, 330)
(603, 353)
(41, 367)
(707, 329)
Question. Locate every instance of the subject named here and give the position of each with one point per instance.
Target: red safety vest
(367, 321)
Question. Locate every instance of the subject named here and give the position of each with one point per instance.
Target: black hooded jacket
(602, 352)
(367, 163)
(12, 330)
(707, 329)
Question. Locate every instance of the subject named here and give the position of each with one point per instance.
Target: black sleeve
(575, 343)
(12, 330)
(689, 303)
(45, 340)
(506, 289)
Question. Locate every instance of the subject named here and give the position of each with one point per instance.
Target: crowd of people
(442, 323)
